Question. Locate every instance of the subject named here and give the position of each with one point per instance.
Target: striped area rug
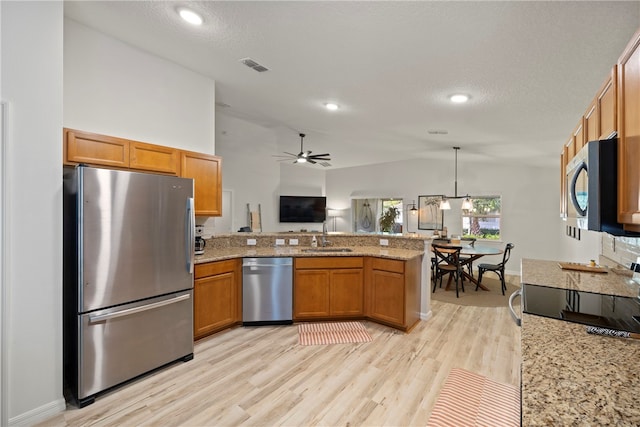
(332, 333)
(470, 399)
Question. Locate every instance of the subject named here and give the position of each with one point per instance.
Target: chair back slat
(507, 253)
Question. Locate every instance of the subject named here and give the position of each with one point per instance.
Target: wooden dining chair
(497, 268)
(470, 241)
(448, 263)
(434, 260)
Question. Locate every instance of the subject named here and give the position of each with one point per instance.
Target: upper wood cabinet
(591, 123)
(579, 137)
(629, 135)
(94, 149)
(206, 172)
(154, 158)
(607, 107)
(119, 153)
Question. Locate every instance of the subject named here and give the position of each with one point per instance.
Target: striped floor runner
(332, 333)
(470, 399)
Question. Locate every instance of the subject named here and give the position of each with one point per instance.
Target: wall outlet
(384, 242)
(251, 242)
(279, 242)
(293, 242)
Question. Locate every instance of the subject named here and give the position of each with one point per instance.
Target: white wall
(115, 89)
(256, 177)
(530, 216)
(32, 49)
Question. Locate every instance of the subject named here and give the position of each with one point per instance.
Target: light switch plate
(251, 242)
(279, 242)
(384, 242)
(293, 242)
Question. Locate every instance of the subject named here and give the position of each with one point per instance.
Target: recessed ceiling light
(331, 106)
(190, 16)
(459, 98)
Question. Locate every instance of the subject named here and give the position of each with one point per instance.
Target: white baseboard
(426, 316)
(40, 414)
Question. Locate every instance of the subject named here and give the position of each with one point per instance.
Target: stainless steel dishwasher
(267, 291)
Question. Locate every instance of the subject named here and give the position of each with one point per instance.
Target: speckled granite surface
(548, 273)
(569, 377)
(219, 254)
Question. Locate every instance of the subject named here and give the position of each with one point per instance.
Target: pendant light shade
(467, 205)
(444, 204)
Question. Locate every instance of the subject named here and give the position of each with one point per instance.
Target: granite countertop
(220, 254)
(570, 377)
(549, 273)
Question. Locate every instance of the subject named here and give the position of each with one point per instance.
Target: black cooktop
(605, 311)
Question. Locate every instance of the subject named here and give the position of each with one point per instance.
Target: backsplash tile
(623, 250)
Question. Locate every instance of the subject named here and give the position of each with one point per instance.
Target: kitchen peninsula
(384, 286)
(570, 377)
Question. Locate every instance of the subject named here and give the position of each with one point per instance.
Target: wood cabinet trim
(155, 158)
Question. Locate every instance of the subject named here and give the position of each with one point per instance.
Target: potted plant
(388, 218)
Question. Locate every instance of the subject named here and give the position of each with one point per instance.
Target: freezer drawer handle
(191, 231)
(101, 317)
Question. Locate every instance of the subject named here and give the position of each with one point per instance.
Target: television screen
(303, 209)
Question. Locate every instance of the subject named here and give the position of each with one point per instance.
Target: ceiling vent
(437, 132)
(253, 64)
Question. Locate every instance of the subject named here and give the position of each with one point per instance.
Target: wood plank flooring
(260, 376)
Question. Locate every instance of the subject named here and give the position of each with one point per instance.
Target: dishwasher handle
(514, 316)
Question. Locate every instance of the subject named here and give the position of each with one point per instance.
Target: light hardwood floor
(260, 376)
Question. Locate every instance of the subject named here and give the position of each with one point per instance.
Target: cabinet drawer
(392, 265)
(213, 268)
(329, 262)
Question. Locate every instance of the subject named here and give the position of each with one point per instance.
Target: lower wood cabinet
(217, 296)
(328, 287)
(393, 291)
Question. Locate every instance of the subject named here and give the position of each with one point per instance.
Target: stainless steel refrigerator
(128, 276)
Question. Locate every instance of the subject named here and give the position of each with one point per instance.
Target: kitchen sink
(328, 250)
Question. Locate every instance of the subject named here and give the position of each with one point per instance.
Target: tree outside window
(483, 221)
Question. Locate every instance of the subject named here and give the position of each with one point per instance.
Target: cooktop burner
(606, 311)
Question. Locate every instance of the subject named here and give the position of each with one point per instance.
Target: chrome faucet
(324, 234)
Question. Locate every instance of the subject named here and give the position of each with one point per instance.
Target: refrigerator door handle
(94, 318)
(191, 231)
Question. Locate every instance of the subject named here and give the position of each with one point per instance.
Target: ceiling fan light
(445, 205)
(331, 106)
(301, 159)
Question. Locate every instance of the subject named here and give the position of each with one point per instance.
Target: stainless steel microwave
(592, 188)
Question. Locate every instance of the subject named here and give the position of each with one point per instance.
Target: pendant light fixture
(467, 204)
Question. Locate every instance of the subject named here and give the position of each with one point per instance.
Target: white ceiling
(531, 69)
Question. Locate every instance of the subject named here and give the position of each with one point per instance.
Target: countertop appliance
(128, 276)
(267, 291)
(200, 243)
(592, 180)
(606, 311)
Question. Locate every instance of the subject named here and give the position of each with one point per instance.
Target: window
(483, 221)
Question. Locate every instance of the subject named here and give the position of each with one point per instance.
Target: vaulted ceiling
(530, 68)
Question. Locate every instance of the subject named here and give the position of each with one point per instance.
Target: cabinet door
(95, 149)
(215, 303)
(607, 106)
(206, 172)
(387, 297)
(629, 134)
(579, 136)
(347, 292)
(153, 158)
(591, 124)
(311, 294)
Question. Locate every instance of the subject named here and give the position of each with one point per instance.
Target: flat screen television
(303, 209)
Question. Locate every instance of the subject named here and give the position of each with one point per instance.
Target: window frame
(471, 215)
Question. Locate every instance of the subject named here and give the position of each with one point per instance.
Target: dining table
(472, 253)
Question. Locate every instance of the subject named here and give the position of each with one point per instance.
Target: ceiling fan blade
(320, 158)
(291, 154)
(321, 155)
(311, 161)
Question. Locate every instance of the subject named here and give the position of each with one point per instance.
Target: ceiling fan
(306, 156)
